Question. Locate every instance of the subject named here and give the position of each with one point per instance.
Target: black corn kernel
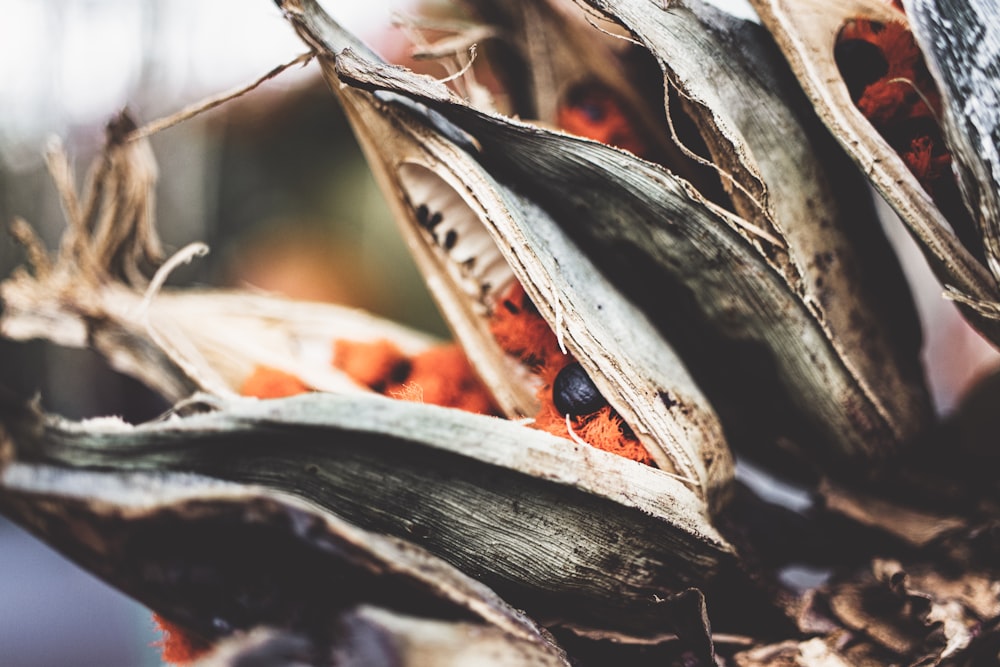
(422, 214)
(574, 393)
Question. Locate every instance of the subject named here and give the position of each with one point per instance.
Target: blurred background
(273, 182)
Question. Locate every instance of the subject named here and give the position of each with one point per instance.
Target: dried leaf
(960, 41)
(914, 526)
(564, 530)
(702, 267)
(216, 557)
(472, 236)
(920, 622)
(807, 31)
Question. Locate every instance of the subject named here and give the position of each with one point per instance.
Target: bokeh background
(273, 182)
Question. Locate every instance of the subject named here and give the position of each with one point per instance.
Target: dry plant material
(574, 534)
(520, 475)
(217, 558)
(956, 40)
(571, 406)
(889, 82)
(256, 529)
(473, 237)
(729, 284)
(95, 293)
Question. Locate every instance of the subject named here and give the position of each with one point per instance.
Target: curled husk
(746, 298)
(472, 235)
(567, 532)
(217, 558)
(807, 33)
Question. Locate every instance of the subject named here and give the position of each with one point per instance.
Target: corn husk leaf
(561, 529)
(419, 158)
(786, 180)
(660, 228)
(960, 41)
(216, 557)
(807, 32)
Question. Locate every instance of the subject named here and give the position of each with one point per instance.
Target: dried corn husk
(216, 557)
(960, 41)
(807, 31)
(184, 341)
(840, 368)
(553, 49)
(489, 234)
(510, 480)
(568, 532)
(93, 294)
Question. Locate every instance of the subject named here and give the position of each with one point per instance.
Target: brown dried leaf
(916, 527)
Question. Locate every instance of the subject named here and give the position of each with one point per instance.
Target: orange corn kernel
(177, 647)
(593, 111)
(440, 375)
(267, 382)
(523, 333)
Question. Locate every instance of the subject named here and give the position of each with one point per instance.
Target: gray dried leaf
(217, 557)
(783, 177)
(806, 31)
(472, 236)
(664, 234)
(961, 42)
(564, 530)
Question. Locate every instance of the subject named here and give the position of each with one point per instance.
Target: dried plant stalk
(217, 558)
